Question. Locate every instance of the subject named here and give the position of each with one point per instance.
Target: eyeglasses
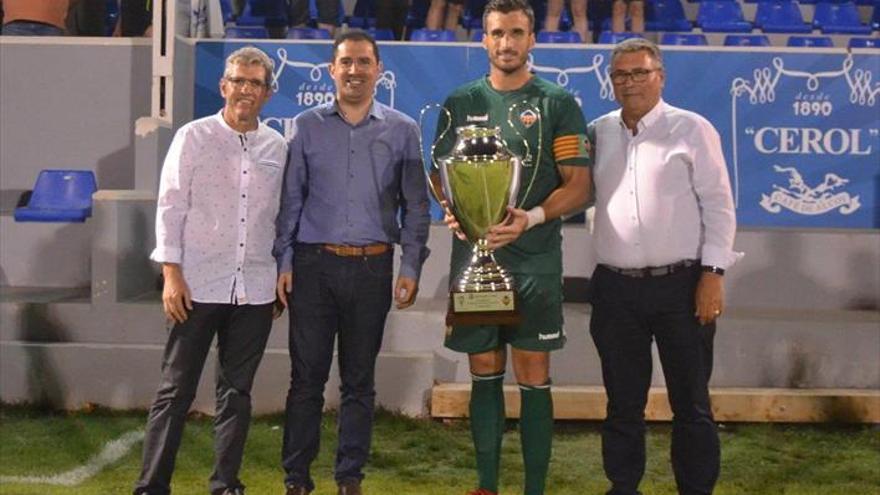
(240, 83)
(637, 75)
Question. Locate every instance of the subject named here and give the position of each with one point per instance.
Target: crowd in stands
(557, 21)
(76, 17)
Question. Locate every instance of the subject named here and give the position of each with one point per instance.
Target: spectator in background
(87, 18)
(578, 17)
(135, 18)
(35, 17)
(391, 14)
(444, 14)
(328, 14)
(635, 9)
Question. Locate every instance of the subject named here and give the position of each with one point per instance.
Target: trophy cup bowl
(480, 179)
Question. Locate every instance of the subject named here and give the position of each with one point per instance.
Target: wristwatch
(713, 269)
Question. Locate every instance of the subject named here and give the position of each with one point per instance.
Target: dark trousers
(349, 297)
(298, 12)
(242, 332)
(627, 314)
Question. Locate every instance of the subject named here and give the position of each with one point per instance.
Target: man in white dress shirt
(664, 230)
(215, 226)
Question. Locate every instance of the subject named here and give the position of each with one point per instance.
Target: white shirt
(218, 199)
(663, 194)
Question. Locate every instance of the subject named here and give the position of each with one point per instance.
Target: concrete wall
(64, 103)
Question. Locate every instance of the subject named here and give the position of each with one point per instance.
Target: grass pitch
(424, 457)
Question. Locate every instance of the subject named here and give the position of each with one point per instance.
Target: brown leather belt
(653, 271)
(368, 250)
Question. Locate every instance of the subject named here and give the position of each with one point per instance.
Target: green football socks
(536, 434)
(487, 426)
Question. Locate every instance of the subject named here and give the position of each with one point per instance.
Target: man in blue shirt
(354, 187)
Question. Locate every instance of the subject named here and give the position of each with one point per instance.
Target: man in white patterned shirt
(215, 225)
(664, 230)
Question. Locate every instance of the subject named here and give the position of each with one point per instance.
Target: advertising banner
(800, 129)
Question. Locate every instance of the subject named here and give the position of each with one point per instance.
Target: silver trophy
(478, 180)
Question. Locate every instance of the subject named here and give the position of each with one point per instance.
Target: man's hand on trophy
(516, 222)
(451, 222)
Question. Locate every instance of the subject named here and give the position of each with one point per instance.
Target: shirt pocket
(269, 165)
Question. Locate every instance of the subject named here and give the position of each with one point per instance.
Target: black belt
(654, 271)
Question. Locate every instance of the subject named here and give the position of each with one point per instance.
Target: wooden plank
(450, 400)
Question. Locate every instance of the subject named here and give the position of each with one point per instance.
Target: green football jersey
(540, 122)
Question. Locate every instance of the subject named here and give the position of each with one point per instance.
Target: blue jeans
(334, 295)
(628, 313)
(28, 28)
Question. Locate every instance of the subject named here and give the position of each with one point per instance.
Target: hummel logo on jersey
(478, 118)
(549, 336)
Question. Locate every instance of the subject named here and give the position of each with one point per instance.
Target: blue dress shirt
(345, 184)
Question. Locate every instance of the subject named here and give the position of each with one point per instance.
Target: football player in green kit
(555, 181)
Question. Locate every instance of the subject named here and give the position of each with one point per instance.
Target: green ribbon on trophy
(478, 180)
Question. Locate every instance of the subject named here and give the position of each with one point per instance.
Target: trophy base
(482, 308)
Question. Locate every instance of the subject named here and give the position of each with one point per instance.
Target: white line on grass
(113, 451)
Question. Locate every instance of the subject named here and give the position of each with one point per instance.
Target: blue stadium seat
(666, 15)
(558, 37)
(722, 16)
(60, 196)
(781, 16)
(839, 18)
(301, 33)
(684, 39)
(746, 40)
(381, 34)
(807, 41)
(477, 35)
(247, 32)
(875, 18)
(433, 35)
(609, 38)
(864, 42)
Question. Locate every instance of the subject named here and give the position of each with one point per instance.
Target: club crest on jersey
(528, 118)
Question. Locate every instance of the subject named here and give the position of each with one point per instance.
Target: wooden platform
(450, 400)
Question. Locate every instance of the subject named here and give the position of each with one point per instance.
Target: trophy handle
(438, 195)
(537, 157)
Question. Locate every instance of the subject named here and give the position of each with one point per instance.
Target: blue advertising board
(800, 129)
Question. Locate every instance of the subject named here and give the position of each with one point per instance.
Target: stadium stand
(246, 32)
(666, 15)
(433, 35)
(609, 38)
(304, 33)
(864, 42)
(684, 39)
(746, 40)
(558, 37)
(810, 41)
(781, 16)
(722, 16)
(839, 18)
(381, 34)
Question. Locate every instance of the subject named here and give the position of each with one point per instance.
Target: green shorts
(540, 329)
